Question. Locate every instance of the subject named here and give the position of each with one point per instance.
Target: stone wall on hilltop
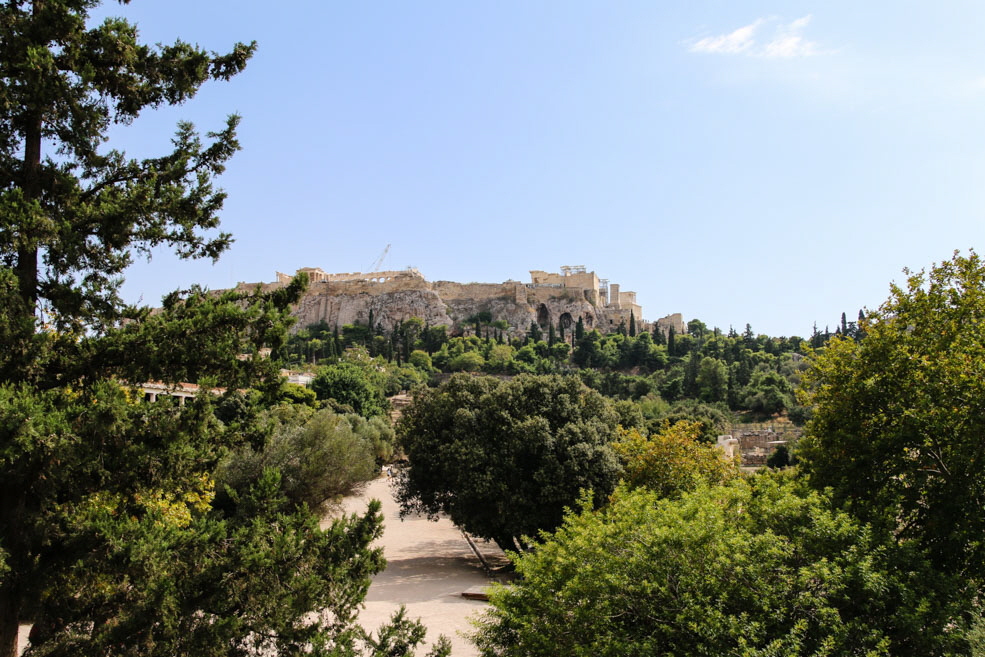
(550, 299)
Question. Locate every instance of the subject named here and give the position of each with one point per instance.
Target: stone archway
(543, 316)
(565, 321)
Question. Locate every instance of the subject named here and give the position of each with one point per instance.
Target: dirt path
(429, 565)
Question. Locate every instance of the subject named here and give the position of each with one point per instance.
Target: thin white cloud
(733, 43)
(786, 41)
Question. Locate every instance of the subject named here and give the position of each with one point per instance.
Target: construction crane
(379, 261)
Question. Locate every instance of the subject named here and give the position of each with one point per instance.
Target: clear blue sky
(774, 163)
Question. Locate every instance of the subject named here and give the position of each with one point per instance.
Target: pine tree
(632, 324)
(112, 537)
(551, 337)
(580, 329)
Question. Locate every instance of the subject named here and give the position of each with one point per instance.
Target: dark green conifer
(111, 541)
(658, 335)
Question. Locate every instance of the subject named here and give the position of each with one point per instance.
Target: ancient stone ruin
(549, 299)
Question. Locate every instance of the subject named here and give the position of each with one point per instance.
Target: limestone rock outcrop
(391, 297)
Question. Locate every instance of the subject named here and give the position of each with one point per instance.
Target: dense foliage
(320, 458)
(749, 373)
(756, 569)
(898, 418)
(876, 551)
(673, 460)
(504, 458)
(112, 540)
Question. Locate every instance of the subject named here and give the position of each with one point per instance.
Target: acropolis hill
(393, 296)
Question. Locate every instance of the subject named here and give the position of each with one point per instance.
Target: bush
(349, 385)
(470, 361)
(319, 461)
(747, 570)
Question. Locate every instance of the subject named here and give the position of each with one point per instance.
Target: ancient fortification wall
(558, 299)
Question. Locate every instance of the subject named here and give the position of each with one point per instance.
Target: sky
(770, 163)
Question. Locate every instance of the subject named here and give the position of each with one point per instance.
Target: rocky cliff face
(388, 308)
(401, 297)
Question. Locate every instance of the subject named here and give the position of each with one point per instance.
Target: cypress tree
(632, 324)
(658, 335)
(580, 329)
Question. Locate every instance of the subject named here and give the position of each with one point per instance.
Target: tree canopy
(897, 423)
(672, 461)
(754, 569)
(111, 539)
(503, 458)
(349, 385)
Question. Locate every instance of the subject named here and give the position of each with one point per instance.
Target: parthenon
(317, 275)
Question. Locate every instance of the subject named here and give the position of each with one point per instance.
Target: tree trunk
(10, 605)
(507, 543)
(12, 589)
(27, 254)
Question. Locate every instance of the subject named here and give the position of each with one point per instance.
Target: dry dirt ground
(429, 565)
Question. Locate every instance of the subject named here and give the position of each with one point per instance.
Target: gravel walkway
(429, 565)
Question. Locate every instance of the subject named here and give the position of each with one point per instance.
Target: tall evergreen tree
(658, 335)
(580, 329)
(816, 338)
(551, 337)
(632, 324)
(112, 540)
